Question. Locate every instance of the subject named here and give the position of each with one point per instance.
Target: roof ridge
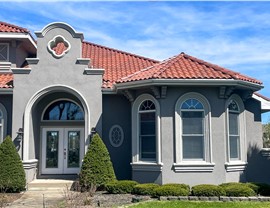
(173, 59)
(120, 51)
(216, 67)
(15, 26)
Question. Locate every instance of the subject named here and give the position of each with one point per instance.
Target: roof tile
(6, 80)
(184, 66)
(6, 27)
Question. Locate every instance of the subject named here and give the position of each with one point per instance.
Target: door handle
(65, 154)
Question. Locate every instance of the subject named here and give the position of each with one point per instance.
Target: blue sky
(235, 35)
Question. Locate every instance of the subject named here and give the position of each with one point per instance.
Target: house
(181, 120)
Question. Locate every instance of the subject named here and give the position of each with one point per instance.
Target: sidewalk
(43, 193)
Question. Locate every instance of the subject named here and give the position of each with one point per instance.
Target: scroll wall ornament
(58, 46)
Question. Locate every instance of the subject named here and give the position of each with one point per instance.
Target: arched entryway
(56, 127)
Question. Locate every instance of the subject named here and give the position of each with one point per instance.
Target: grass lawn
(180, 204)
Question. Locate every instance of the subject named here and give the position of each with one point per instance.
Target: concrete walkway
(43, 193)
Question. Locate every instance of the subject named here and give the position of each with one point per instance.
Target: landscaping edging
(215, 198)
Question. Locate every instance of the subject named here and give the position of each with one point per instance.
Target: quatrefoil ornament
(59, 46)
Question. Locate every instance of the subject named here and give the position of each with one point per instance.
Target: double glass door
(62, 150)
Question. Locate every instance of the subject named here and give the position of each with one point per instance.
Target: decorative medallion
(116, 136)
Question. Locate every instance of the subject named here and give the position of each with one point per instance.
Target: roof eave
(23, 36)
(189, 82)
(6, 91)
(265, 104)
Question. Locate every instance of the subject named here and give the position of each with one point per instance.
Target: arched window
(3, 122)
(146, 142)
(147, 130)
(233, 130)
(193, 129)
(63, 110)
(193, 134)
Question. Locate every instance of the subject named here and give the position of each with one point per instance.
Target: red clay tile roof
(116, 63)
(6, 27)
(6, 80)
(184, 66)
(59, 48)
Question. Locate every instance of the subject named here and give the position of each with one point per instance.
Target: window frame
(7, 44)
(234, 164)
(193, 165)
(138, 164)
(3, 124)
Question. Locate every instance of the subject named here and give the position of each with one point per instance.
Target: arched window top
(147, 105)
(192, 104)
(63, 110)
(233, 106)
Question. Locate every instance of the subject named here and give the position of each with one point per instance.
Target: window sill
(265, 152)
(193, 167)
(146, 166)
(235, 166)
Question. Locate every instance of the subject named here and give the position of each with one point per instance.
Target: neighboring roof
(6, 80)
(6, 27)
(184, 66)
(116, 63)
(265, 102)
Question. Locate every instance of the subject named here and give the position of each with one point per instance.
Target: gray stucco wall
(117, 111)
(219, 175)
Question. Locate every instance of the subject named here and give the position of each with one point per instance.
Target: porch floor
(44, 193)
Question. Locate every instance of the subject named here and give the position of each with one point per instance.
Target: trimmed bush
(12, 175)
(254, 187)
(168, 190)
(178, 185)
(145, 189)
(121, 187)
(97, 168)
(238, 190)
(208, 190)
(263, 188)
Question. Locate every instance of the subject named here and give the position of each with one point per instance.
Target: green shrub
(254, 187)
(121, 187)
(263, 189)
(178, 185)
(168, 190)
(12, 175)
(208, 190)
(238, 190)
(97, 168)
(145, 189)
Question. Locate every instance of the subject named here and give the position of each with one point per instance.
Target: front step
(49, 184)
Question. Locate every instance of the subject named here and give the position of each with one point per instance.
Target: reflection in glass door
(62, 150)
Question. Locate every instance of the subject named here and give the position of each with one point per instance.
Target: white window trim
(4, 122)
(236, 165)
(181, 165)
(7, 51)
(136, 163)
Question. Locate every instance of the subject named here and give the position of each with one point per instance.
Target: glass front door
(62, 150)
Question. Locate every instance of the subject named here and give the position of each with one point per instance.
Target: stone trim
(235, 166)
(30, 164)
(193, 167)
(141, 166)
(265, 152)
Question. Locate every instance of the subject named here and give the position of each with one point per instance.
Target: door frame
(62, 143)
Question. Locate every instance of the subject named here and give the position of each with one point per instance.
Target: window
(63, 110)
(3, 121)
(146, 153)
(192, 114)
(4, 51)
(235, 120)
(233, 116)
(147, 130)
(193, 134)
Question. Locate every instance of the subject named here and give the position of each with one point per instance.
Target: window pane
(193, 122)
(233, 123)
(192, 104)
(147, 105)
(193, 147)
(234, 147)
(3, 52)
(148, 147)
(63, 110)
(147, 124)
(52, 149)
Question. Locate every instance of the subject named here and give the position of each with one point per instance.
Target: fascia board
(265, 104)
(19, 36)
(188, 82)
(6, 91)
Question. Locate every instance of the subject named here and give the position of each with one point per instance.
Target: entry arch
(35, 99)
